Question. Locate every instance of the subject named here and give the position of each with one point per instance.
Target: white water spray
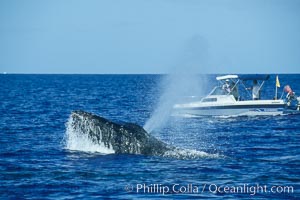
(76, 141)
(185, 80)
(178, 87)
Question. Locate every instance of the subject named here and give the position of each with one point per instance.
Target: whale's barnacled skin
(127, 138)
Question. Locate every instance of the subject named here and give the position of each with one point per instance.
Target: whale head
(125, 138)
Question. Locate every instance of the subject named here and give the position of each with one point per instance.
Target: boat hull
(230, 112)
(246, 108)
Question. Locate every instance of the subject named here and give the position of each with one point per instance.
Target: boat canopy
(219, 78)
(246, 77)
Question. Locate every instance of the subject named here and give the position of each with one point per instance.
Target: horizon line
(14, 73)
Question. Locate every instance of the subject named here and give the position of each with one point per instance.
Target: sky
(149, 36)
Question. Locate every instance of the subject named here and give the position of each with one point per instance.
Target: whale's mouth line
(94, 134)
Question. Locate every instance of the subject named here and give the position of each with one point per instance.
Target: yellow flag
(277, 82)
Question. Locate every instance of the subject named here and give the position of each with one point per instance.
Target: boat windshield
(218, 91)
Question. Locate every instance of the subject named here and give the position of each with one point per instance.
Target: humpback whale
(124, 138)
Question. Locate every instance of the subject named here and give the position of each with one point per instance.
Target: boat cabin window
(218, 91)
(209, 100)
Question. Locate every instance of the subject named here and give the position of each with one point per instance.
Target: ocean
(251, 157)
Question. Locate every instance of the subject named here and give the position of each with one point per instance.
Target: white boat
(221, 102)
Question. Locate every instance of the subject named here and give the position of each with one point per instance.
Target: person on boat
(230, 88)
(255, 90)
(227, 86)
(289, 91)
(291, 97)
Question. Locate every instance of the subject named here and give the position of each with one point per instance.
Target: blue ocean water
(35, 163)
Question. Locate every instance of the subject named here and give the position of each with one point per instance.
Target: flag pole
(277, 85)
(276, 89)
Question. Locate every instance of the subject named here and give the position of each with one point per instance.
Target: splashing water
(77, 141)
(187, 154)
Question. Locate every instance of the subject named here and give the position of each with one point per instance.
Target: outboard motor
(292, 101)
